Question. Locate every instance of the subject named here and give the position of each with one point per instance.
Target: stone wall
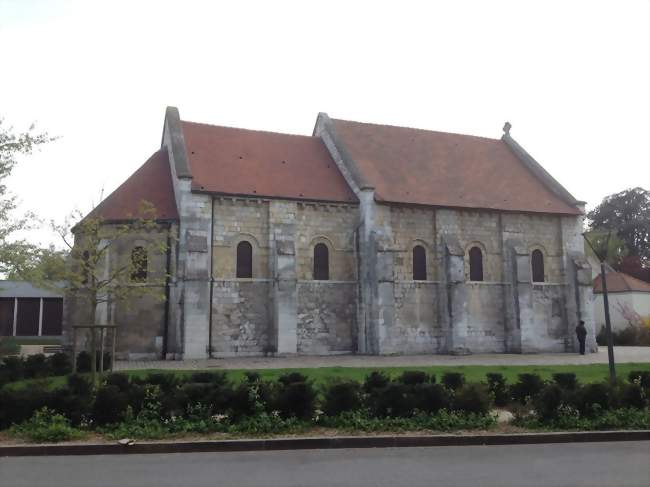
(326, 317)
(241, 317)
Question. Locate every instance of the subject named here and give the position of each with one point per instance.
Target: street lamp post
(608, 324)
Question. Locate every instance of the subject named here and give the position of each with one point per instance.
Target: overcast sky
(573, 78)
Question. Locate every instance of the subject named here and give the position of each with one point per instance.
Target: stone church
(361, 238)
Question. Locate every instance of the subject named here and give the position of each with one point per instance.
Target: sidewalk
(621, 354)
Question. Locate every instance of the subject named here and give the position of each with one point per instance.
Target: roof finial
(506, 128)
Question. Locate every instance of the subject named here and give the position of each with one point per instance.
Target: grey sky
(573, 78)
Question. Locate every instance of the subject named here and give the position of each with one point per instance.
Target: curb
(324, 443)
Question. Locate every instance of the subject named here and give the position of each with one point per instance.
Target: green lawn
(473, 373)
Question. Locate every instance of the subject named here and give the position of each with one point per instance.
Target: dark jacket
(581, 331)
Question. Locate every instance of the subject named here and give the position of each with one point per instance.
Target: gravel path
(621, 354)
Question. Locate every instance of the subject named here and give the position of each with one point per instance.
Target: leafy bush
(209, 378)
(528, 386)
(47, 426)
(549, 401)
(18, 405)
(498, 389)
(83, 362)
(166, 381)
(79, 385)
(431, 398)
(377, 379)
(414, 377)
(591, 399)
(342, 396)
(633, 396)
(566, 380)
(453, 380)
(631, 335)
(295, 399)
(12, 368)
(59, 364)
(642, 377)
(119, 380)
(292, 378)
(396, 400)
(441, 421)
(110, 405)
(36, 366)
(473, 398)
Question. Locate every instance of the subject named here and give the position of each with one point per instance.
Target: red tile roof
(152, 182)
(235, 161)
(617, 282)
(413, 166)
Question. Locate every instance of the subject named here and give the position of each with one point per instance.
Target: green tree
(35, 264)
(627, 215)
(12, 145)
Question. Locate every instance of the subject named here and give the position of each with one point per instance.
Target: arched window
(537, 264)
(475, 264)
(321, 262)
(419, 263)
(139, 264)
(244, 260)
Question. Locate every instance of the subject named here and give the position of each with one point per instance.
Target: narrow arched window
(475, 264)
(139, 264)
(321, 262)
(244, 260)
(537, 264)
(419, 263)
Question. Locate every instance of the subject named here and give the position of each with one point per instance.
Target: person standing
(581, 333)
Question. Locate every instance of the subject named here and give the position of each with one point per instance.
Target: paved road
(587, 464)
(622, 354)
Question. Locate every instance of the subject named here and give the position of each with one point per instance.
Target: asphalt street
(570, 464)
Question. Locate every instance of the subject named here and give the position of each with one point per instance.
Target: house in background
(31, 315)
(627, 295)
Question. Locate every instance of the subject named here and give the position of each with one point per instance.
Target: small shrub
(566, 380)
(342, 396)
(431, 398)
(119, 380)
(453, 380)
(473, 398)
(110, 405)
(166, 381)
(251, 377)
(377, 379)
(641, 377)
(292, 378)
(547, 403)
(528, 386)
(83, 362)
(13, 368)
(36, 366)
(60, 364)
(77, 408)
(209, 378)
(591, 399)
(498, 389)
(296, 399)
(395, 400)
(414, 377)
(47, 426)
(79, 385)
(633, 396)
(18, 405)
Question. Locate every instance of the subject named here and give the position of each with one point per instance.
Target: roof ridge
(417, 129)
(271, 132)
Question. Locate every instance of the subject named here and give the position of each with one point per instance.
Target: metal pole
(608, 328)
(74, 350)
(93, 355)
(101, 350)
